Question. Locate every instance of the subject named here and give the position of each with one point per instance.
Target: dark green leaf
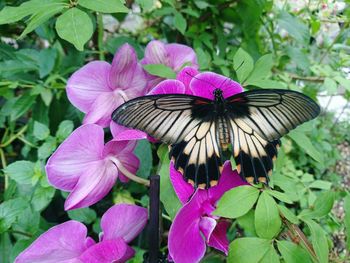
(9, 211)
(240, 250)
(22, 105)
(75, 26)
(243, 64)
(42, 197)
(21, 171)
(267, 218)
(110, 6)
(5, 247)
(347, 219)
(180, 22)
(160, 70)
(46, 61)
(237, 201)
(293, 253)
(144, 152)
(85, 215)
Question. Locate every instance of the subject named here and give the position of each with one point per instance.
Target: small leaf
(46, 61)
(237, 201)
(85, 215)
(64, 129)
(9, 211)
(160, 70)
(322, 206)
(75, 26)
(22, 105)
(47, 148)
(262, 69)
(279, 195)
(347, 219)
(42, 197)
(243, 64)
(267, 218)
(21, 171)
(240, 250)
(180, 22)
(319, 240)
(40, 131)
(293, 253)
(110, 6)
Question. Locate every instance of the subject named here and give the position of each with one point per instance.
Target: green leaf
(143, 151)
(262, 69)
(304, 142)
(180, 22)
(267, 218)
(65, 128)
(243, 64)
(48, 147)
(347, 219)
(291, 217)
(21, 171)
(279, 195)
(240, 250)
(9, 211)
(203, 58)
(167, 194)
(46, 61)
(85, 215)
(22, 105)
(323, 205)
(268, 84)
(28, 221)
(320, 184)
(271, 256)
(5, 247)
(110, 6)
(42, 197)
(160, 70)
(247, 223)
(330, 86)
(75, 26)
(294, 26)
(237, 201)
(319, 240)
(40, 131)
(293, 253)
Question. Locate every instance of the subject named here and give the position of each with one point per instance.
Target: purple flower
(174, 56)
(68, 242)
(86, 167)
(98, 88)
(194, 225)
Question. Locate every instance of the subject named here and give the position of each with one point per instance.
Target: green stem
(14, 137)
(4, 164)
(100, 36)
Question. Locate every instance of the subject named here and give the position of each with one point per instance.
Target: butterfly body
(200, 130)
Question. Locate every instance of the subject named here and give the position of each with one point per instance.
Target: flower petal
(86, 84)
(82, 148)
(205, 83)
(229, 179)
(60, 244)
(97, 181)
(186, 244)
(207, 226)
(218, 238)
(108, 251)
(123, 221)
(180, 55)
(169, 86)
(126, 73)
(185, 76)
(155, 53)
(121, 133)
(183, 190)
(101, 110)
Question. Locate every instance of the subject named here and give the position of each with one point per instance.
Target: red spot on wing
(200, 102)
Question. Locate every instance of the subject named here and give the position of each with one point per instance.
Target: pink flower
(68, 242)
(194, 225)
(86, 167)
(174, 56)
(98, 88)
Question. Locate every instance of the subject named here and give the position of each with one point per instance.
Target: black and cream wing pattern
(199, 130)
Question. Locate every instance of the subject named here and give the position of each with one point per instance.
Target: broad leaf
(40, 131)
(262, 69)
(293, 253)
(180, 22)
(248, 250)
(279, 195)
(294, 26)
(271, 256)
(21, 171)
(321, 207)
(110, 6)
(243, 64)
(85, 215)
(9, 211)
(160, 70)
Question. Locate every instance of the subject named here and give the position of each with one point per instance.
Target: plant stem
(100, 36)
(14, 137)
(154, 230)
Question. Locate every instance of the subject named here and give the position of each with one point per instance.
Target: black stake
(154, 219)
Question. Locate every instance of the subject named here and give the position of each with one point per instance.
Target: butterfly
(200, 131)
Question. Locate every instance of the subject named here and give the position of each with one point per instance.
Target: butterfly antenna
(200, 79)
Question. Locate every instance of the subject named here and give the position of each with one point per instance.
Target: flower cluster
(87, 167)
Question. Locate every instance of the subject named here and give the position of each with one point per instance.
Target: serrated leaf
(75, 26)
(237, 201)
(110, 6)
(9, 211)
(262, 69)
(160, 70)
(243, 64)
(267, 218)
(85, 215)
(240, 250)
(40, 131)
(21, 171)
(180, 22)
(279, 195)
(293, 253)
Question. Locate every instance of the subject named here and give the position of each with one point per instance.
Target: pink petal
(207, 226)
(126, 73)
(182, 189)
(181, 55)
(86, 84)
(123, 221)
(108, 251)
(185, 76)
(186, 244)
(97, 180)
(229, 179)
(81, 149)
(63, 243)
(205, 83)
(169, 86)
(101, 110)
(155, 53)
(121, 133)
(218, 238)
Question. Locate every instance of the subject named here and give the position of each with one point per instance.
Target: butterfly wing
(257, 119)
(186, 122)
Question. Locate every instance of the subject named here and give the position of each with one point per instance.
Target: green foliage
(261, 44)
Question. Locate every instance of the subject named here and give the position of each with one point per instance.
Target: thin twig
(14, 137)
